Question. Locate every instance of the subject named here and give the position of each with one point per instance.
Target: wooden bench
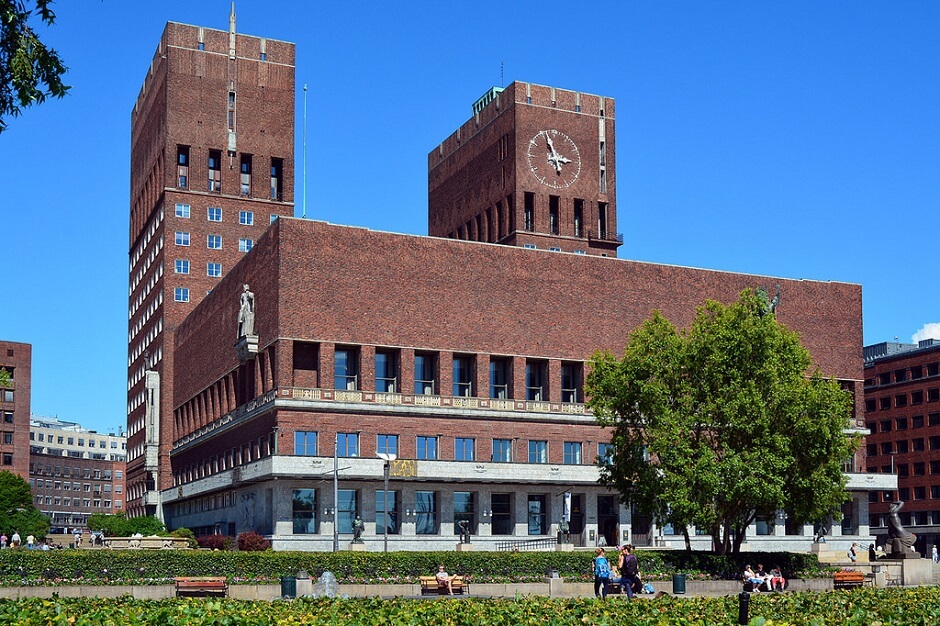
(430, 586)
(201, 586)
(847, 579)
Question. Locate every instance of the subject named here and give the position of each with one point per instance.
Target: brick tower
(534, 167)
(212, 136)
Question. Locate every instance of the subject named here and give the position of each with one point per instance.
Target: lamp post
(388, 458)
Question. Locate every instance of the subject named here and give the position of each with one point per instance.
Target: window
(182, 239)
(346, 508)
(246, 175)
(8, 417)
(604, 452)
(386, 503)
(920, 468)
(7, 459)
(502, 450)
(464, 511)
(245, 244)
(902, 446)
(347, 444)
(917, 397)
(933, 395)
(214, 242)
(215, 170)
(886, 447)
(386, 371)
(7, 437)
(182, 210)
(277, 179)
(246, 218)
(426, 448)
(917, 445)
(933, 419)
(181, 294)
(499, 378)
(305, 443)
(884, 378)
(463, 449)
(214, 270)
(230, 117)
(901, 423)
(553, 214)
(871, 404)
(272, 218)
(572, 453)
(535, 381)
(935, 467)
(872, 449)
(426, 513)
(181, 266)
(884, 403)
(570, 382)
(538, 451)
(917, 421)
(182, 166)
(387, 444)
(215, 214)
(886, 426)
(903, 470)
(346, 369)
(538, 515)
(424, 374)
(463, 376)
(900, 375)
(502, 523)
(900, 400)
(529, 214)
(578, 217)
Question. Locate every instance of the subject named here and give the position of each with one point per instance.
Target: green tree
(112, 525)
(29, 71)
(146, 526)
(721, 423)
(17, 513)
(5, 378)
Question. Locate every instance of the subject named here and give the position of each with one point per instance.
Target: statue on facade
(246, 313)
(900, 539)
(358, 527)
(464, 526)
(564, 530)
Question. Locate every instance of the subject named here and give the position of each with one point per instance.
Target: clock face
(554, 159)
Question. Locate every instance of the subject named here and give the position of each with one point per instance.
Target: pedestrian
(15, 540)
(30, 541)
(601, 570)
(630, 571)
(3, 540)
(934, 555)
(853, 552)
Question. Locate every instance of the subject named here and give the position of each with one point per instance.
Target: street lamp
(388, 458)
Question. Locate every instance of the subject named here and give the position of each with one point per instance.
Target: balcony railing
(605, 235)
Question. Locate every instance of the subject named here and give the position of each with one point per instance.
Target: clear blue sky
(792, 139)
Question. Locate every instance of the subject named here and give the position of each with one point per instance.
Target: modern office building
(212, 139)
(902, 412)
(17, 359)
(75, 472)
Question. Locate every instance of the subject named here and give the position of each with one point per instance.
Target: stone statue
(358, 527)
(464, 526)
(766, 304)
(564, 530)
(899, 538)
(246, 313)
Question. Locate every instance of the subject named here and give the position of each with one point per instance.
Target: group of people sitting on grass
(761, 580)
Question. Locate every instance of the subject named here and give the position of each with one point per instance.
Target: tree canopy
(119, 525)
(722, 423)
(17, 513)
(29, 71)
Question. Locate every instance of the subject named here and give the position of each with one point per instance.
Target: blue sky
(792, 139)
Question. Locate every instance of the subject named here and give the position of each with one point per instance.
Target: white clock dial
(554, 159)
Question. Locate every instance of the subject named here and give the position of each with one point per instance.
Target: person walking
(853, 552)
(934, 556)
(601, 569)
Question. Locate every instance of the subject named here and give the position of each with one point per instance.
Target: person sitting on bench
(444, 580)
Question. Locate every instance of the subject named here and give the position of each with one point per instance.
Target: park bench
(848, 579)
(201, 586)
(430, 586)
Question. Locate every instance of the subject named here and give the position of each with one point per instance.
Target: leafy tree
(146, 526)
(721, 423)
(5, 378)
(119, 525)
(17, 513)
(29, 71)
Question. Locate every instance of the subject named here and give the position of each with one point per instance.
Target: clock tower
(533, 167)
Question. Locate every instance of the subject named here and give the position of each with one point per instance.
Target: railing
(526, 545)
(605, 235)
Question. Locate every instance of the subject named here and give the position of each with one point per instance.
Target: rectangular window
(426, 522)
(246, 218)
(578, 217)
(246, 175)
(182, 238)
(502, 523)
(535, 375)
(902, 446)
(502, 450)
(182, 166)
(346, 509)
(553, 202)
(886, 426)
(424, 374)
(465, 511)
(347, 444)
(305, 512)
(604, 452)
(214, 270)
(346, 369)
(426, 448)
(386, 503)
(900, 375)
(7, 459)
(903, 470)
(870, 404)
(182, 210)
(920, 468)
(570, 382)
(214, 242)
(181, 266)
(900, 400)
(215, 214)
(886, 447)
(230, 117)
(463, 376)
(917, 445)
(277, 179)
(529, 214)
(215, 170)
(499, 378)
(933, 419)
(884, 378)
(305, 443)
(386, 371)
(181, 294)
(245, 244)
(573, 453)
(538, 451)
(387, 444)
(602, 221)
(917, 421)
(917, 397)
(538, 515)
(7, 437)
(901, 423)
(884, 403)
(463, 449)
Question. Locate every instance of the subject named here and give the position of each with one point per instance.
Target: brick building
(212, 136)
(17, 359)
(902, 412)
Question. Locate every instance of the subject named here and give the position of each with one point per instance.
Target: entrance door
(576, 524)
(608, 520)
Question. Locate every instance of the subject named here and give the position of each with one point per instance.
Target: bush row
(123, 566)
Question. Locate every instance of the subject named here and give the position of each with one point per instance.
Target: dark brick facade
(16, 358)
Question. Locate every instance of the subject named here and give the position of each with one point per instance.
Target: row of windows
(346, 372)
(213, 242)
(85, 502)
(903, 446)
(86, 472)
(6, 395)
(38, 483)
(901, 423)
(214, 167)
(213, 270)
(912, 518)
(901, 400)
(465, 448)
(61, 439)
(904, 494)
(915, 372)
(214, 214)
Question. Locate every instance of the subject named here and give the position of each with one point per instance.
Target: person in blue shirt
(601, 568)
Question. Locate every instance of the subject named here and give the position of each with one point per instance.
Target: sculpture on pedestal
(900, 539)
(246, 313)
(358, 527)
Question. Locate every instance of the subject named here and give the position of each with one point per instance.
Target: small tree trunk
(688, 542)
